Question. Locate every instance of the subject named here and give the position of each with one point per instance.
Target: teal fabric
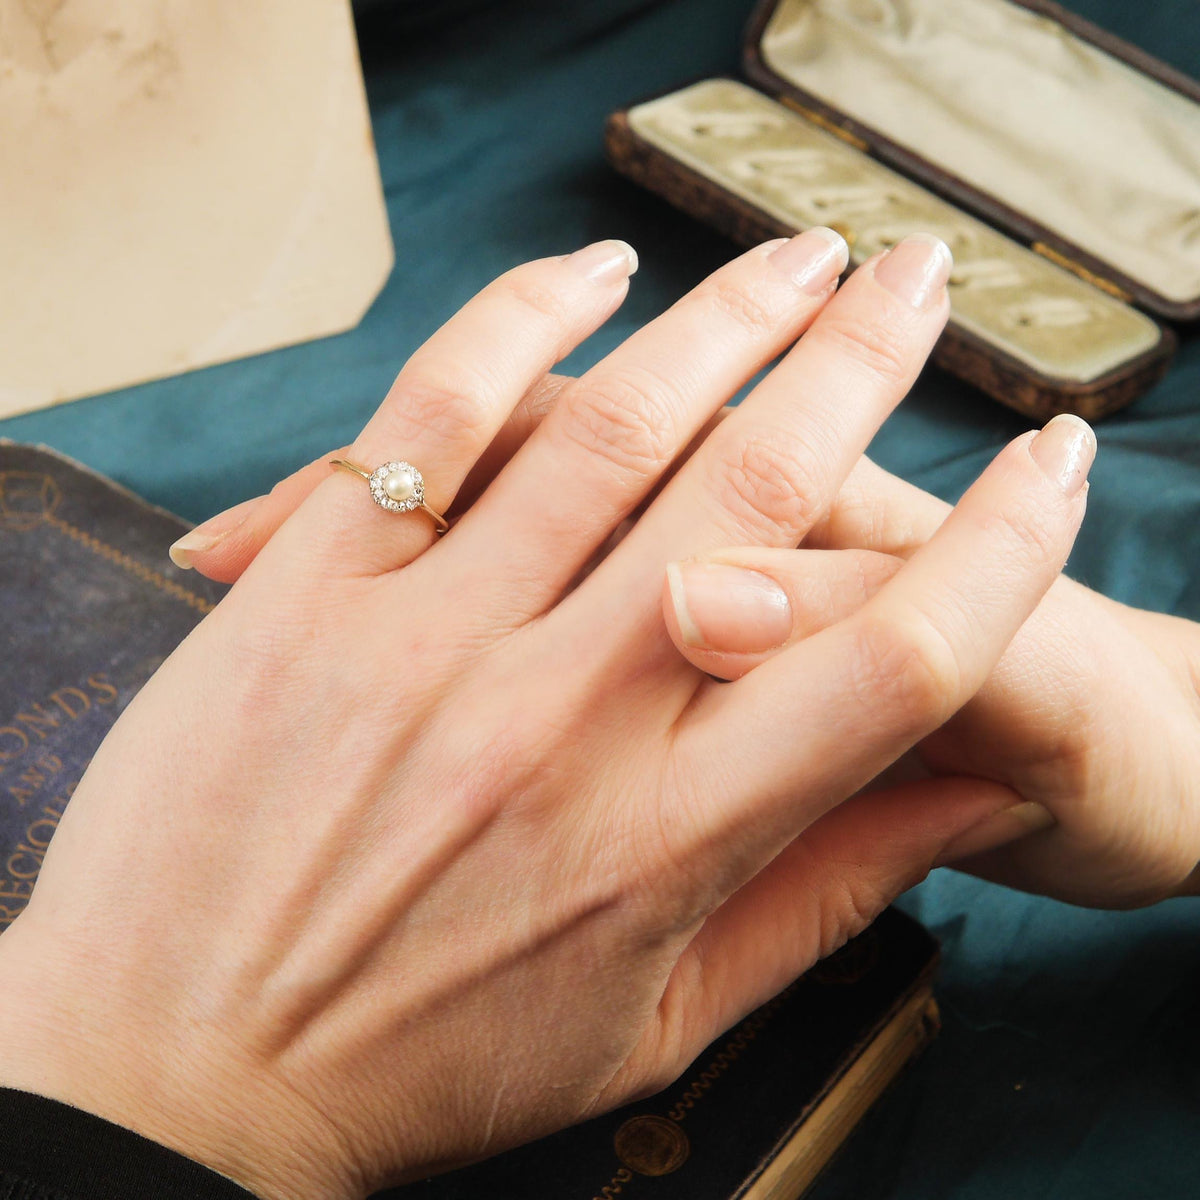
(1070, 1061)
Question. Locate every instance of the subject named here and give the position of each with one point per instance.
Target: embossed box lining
(1015, 300)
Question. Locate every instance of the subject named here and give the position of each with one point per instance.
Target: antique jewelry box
(1060, 164)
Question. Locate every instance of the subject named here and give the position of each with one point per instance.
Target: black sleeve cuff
(51, 1151)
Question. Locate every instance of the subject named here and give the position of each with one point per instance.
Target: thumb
(733, 609)
(826, 887)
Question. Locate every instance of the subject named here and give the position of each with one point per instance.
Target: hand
(1092, 717)
(416, 849)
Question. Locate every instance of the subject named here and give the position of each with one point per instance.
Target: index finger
(876, 510)
(811, 726)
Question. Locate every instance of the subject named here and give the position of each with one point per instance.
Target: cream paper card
(182, 182)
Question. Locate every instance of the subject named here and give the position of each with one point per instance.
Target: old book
(1047, 153)
(92, 606)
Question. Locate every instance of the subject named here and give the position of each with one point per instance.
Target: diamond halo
(378, 481)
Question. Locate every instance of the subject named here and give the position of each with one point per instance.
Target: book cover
(92, 605)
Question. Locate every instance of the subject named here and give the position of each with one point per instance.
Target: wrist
(65, 1037)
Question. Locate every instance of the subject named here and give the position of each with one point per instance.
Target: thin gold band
(349, 466)
(372, 478)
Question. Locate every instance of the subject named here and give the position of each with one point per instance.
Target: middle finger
(618, 428)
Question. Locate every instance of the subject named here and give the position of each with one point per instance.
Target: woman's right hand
(1092, 717)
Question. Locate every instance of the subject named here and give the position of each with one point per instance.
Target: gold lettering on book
(103, 692)
(38, 720)
(8, 735)
(71, 702)
(27, 498)
(34, 777)
(25, 861)
(14, 895)
(20, 738)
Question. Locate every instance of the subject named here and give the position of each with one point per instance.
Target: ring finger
(451, 398)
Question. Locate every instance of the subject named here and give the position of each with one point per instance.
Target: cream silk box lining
(1013, 299)
(1022, 109)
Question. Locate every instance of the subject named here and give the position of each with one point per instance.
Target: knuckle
(767, 484)
(529, 287)
(739, 305)
(1030, 531)
(877, 348)
(905, 664)
(626, 419)
(541, 398)
(451, 405)
(848, 906)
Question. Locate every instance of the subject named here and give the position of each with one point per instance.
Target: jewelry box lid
(1076, 142)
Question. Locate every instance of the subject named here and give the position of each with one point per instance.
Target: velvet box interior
(1060, 164)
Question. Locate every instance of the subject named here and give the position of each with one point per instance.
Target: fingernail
(916, 269)
(1065, 449)
(730, 609)
(205, 536)
(1000, 829)
(813, 259)
(605, 262)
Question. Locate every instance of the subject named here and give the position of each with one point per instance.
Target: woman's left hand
(1092, 718)
(418, 848)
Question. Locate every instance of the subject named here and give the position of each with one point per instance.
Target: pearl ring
(397, 486)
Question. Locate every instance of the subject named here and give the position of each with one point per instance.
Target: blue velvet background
(1070, 1061)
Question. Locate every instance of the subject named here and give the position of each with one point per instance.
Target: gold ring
(397, 486)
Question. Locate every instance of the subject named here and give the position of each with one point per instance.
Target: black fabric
(51, 1151)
